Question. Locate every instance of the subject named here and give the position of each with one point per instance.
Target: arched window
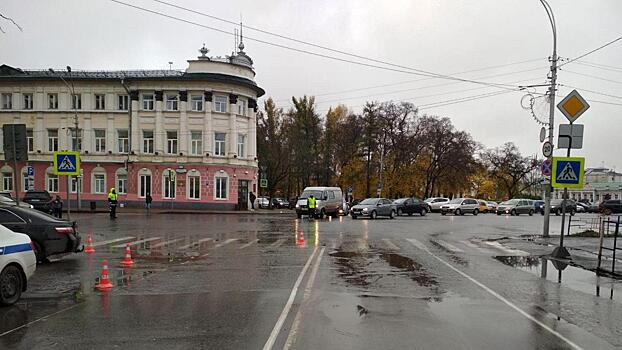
(194, 184)
(168, 183)
(7, 178)
(221, 185)
(51, 180)
(144, 182)
(98, 180)
(121, 180)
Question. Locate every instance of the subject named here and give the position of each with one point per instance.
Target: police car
(17, 264)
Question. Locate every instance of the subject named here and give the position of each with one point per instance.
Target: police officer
(112, 201)
(311, 206)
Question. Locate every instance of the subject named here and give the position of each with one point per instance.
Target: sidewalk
(121, 211)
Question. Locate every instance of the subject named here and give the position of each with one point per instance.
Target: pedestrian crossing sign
(567, 172)
(66, 163)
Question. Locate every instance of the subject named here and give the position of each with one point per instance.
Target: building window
(7, 181)
(99, 183)
(25, 180)
(242, 107)
(171, 102)
(221, 187)
(241, 145)
(123, 141)
(196, 143)
(100, 140)
(30, 140)
(148, 102)
(75, 182)
(220, 104)
(124, 102)
(100, 101)
(220, 143)
(27, 101)
(52, 140)
(144, 183)
(121, 181)
(194, 185)
(7, 101)
(52, 101)
(76, 101)
(171, 142)
(76, 142)
(197, 102)
(51, 181)
(168, 183)
(147, 141)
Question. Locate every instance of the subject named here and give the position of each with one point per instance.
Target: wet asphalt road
(271, 281)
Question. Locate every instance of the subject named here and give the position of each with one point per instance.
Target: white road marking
(288, 305)
(449, 247)
(161, 244)
(249, 244)
(203, 240)
(278, 243)
(99, 244)
(230, 240)
(509, 251)
(390, 244)
(497, 295)
(138, 242)
(293, 333)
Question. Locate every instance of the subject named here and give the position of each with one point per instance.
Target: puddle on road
(572, 277)
(418, 273)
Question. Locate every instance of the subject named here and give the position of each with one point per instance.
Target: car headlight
(297, 205)
(365, 209)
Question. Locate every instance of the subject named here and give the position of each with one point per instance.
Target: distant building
(186, 137)
(598, 184)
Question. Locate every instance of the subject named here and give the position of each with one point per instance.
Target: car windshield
(456, 201)
(511, 202)
(37, 195)
(6, 200)
(400, 200)
(315, 193)
(429, 200)
(369, 201)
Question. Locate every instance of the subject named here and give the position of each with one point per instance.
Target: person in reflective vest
(311, 206)
(112, 201)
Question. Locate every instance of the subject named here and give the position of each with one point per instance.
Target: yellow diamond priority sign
(573, 105)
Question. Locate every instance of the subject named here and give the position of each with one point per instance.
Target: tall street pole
(547, 193)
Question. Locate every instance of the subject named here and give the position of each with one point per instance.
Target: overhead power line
(594, 77)
(409, 70)
(599, 66)
(591, 51)
(592, 91)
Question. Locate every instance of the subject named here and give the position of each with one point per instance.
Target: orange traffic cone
(104, 281)
(89, 245)
(127, 261)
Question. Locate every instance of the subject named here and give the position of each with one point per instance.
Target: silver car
(516, 207)
(435, 203)
(460, 206)
(374, 207)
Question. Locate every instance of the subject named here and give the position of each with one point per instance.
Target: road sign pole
(547, 193)
(68, 199)
(561, 252)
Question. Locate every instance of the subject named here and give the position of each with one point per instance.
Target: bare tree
(10, 20)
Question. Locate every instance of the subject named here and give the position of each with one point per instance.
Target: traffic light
(15, 144)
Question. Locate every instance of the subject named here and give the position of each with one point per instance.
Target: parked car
(49, 235)
(612, 206)
(328, 201)
(279, 203)
(556, 207)
(17, 265)
(374, 207)
(8, 201)
(593, 208)
(538, 206)
(582, 207)
(411, 206)
(492, 206)
(435, 203)
(292, 203)
(483, 206)
(460, 206)
(262, 203)
(516, 207)
(40, 200)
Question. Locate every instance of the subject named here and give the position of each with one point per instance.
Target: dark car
(279, 203)
(556, 207)
(411, 206)
(539, 206)
(292, 203)
(374, 207)
(50, 235)
(612, 206)
(40, 200)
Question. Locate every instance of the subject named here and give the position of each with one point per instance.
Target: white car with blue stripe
(17, 264)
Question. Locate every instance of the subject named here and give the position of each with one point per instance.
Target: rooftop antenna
(235, 44)
(170, 65)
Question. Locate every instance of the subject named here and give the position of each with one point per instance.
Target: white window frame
(218, 182)
(95, 178)
(196, 143)
(72, 140)
(7, 182)
(172, 102)
(51, 181)
(52, 141)
(242, 106)
(27, 99)
(74, 181)
(121, 181)
(76, 101)
(100, 102)
(196, 102)
(123, 143)
(167, 190)
(172, 143)
(220, 146)
(100, 141)
(220, 103)
(241, 146)
(144, 173)
(24, 179)
(52, 101)
(194, 180)
(30, 140)
(7, 101)
(147, 142)
(148, 103)
(123, 102)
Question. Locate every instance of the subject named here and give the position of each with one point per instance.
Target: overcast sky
(444, 37)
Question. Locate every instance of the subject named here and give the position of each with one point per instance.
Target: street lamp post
(547, 193)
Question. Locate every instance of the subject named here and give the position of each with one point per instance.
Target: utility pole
(547, 193)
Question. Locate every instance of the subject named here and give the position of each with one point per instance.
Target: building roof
(601, 171)
(8, 73)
